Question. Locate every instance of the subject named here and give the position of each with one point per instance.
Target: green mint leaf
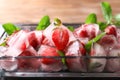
(117, 24)
(117, 20)
(71, 28)
(44, 23)
(102, 26)
(117, 17)
(107, 12)
(91, 18)
(10, 28)
(62, 54)
(89, 44)
(3, 44)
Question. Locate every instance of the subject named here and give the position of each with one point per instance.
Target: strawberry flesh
(60, 38)
(48, 52)
(111, 30)
(31, 64)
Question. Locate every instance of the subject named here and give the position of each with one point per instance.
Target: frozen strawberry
(48, 51)
(30, 64)
(113, 64)
(111, 30)
(95, 64)
(21, 40)
(63, 33)
(86, 32)
(12, 51)
(9, 64)
(18, 40)
(83, 33)
(39, 36)
(78, 63)
(50, 63)
(118, 35)
(46, 41)
(60, 38)
(35, 38)
(48, 35)
(108, 42)
(17, 43)
(2, 51)
(32, 39)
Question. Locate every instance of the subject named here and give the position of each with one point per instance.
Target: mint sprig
(62, 54)
(3, 43)
(71, 28)
(107, 12)
(44, 23)
(91, 19)
(89, 44)
(102, 25)
(10, 28)
(117, 20)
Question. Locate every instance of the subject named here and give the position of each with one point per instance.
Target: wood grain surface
(69, 11)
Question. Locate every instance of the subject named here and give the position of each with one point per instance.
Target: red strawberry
(108, 42)
(32, 39)
(83, 33)
(60, 38)
(23, 47)
(48, 51)
(49, 64)
(86, 32)
(50, 60)
(75, 48)
(31, 64)
(35, 38)
(111, 30)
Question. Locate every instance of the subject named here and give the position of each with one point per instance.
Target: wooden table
(69, 11)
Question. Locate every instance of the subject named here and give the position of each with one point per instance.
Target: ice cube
(8, 64)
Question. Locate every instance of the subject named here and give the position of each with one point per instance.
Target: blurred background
(69, 11)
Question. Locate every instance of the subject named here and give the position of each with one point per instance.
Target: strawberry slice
(60, 38)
